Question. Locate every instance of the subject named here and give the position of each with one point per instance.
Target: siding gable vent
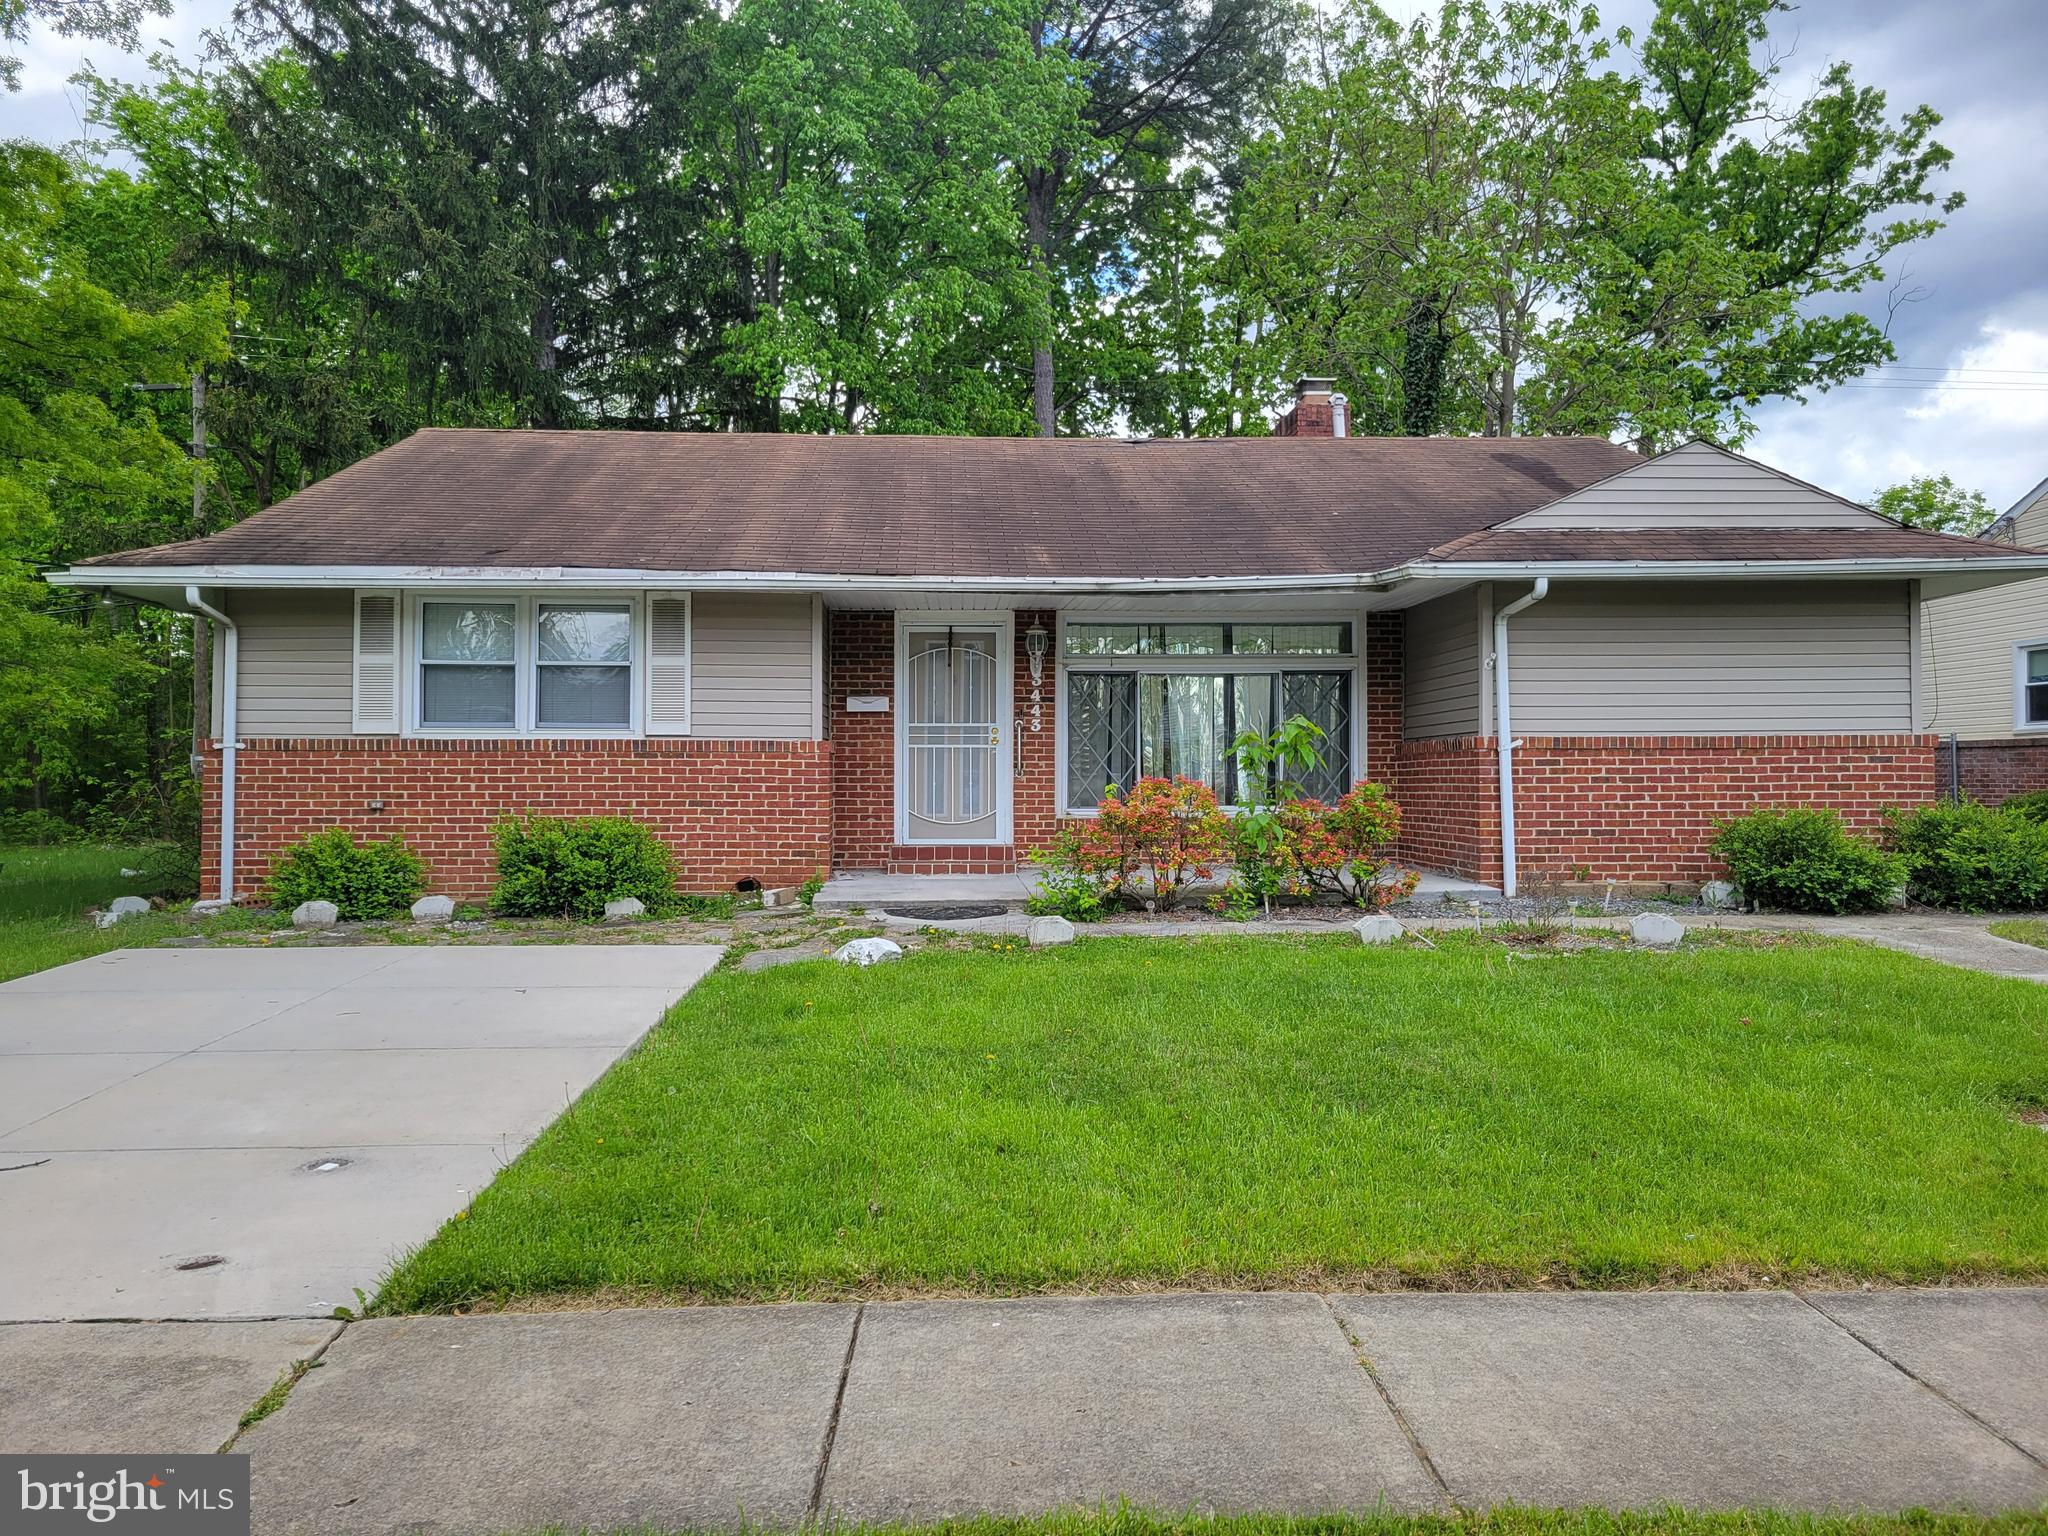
(668, 666)
(376, 662)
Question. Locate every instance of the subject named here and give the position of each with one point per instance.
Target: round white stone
(1717, 893)
(1049, 930)
(623, 908)
(315, 914)
(1377, 929)
(868, 951)
(127, 906)
(431, 909)
(1659, 930)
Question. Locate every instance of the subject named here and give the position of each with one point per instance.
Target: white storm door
(952, 771)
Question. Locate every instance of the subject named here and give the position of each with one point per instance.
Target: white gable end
(1699, 486)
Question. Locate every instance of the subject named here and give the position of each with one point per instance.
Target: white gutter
(1503, 729)
(375, 576)
(1524, 570)
(378, 576)
(229, 667)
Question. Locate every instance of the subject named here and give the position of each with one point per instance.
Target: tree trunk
(1038, 194)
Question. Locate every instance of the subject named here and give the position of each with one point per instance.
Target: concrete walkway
(770, 1415)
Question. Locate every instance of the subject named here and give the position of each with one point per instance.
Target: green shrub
(1801, 859)
(2033, 805)
(1971, 857)
(1068, 883)
(570, 866)
(364, 880)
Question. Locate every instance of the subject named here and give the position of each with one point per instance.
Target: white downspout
(229, 667)
(1504, 731)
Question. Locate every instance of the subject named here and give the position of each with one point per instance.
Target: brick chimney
(1318, 411)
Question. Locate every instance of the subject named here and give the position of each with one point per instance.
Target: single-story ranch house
(797, 654)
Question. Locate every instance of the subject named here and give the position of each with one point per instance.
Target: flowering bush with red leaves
(1155, 841)
(1306, 846)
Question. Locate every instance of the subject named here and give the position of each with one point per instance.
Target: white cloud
(1982, 418)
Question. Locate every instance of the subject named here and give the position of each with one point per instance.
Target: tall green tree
(1165, 79)
(1483, 220)
(852, 162)
(1936, 503)
(470, 168)
(90, 696)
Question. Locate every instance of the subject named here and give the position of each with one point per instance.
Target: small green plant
(808, 891)
(1236, 901)
(1971, 857)
(1067, 884)
(363, 880)
(1267, 765)
(570, 866)
(1802, 859)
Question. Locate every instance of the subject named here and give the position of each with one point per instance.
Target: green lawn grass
(1497, 1522)
(45, 894)
(1253, 1111)
(2023, 930)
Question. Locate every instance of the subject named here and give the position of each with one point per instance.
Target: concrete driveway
(246, 1133)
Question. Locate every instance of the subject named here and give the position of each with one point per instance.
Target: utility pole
(202, 636)
(202, 632)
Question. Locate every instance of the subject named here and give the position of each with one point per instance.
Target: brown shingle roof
(1519, 545)
(903, 506)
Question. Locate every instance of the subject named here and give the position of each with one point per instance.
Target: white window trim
(525, 670)
(1063, 664)
(2020, 722)
(1005, 627)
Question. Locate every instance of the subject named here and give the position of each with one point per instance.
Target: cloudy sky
(1969, 395)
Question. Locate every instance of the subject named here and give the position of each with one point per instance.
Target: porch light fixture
(1036, 641)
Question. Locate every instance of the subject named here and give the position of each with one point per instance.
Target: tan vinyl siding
(1698, 486)
(1705, 659)
(1966, 646)
(1440, 672)
(297, 651)
(751, 667)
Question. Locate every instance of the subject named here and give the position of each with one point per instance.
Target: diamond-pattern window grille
(1102, 734)
(1325, 699)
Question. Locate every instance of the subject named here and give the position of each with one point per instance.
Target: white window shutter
(668, 666)
(376, 671)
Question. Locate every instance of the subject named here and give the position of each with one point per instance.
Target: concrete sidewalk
(918, 1410)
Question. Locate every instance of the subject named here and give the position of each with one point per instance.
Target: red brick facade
(1634, 809)
(1637, 809)
(1995, 771)
(732, 810)
(861, 659)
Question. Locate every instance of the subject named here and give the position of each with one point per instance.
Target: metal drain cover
(949, 911)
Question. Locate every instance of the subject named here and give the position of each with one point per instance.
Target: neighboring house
(791, 654)
(1986, 667)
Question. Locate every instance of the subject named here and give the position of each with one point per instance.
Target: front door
(951, 772)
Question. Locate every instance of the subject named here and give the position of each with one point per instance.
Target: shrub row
(1964, 856)
(1150, 845)
(548, 866)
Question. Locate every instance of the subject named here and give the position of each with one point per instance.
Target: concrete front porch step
(878, 892)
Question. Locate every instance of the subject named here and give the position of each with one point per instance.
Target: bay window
(1143, 702)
